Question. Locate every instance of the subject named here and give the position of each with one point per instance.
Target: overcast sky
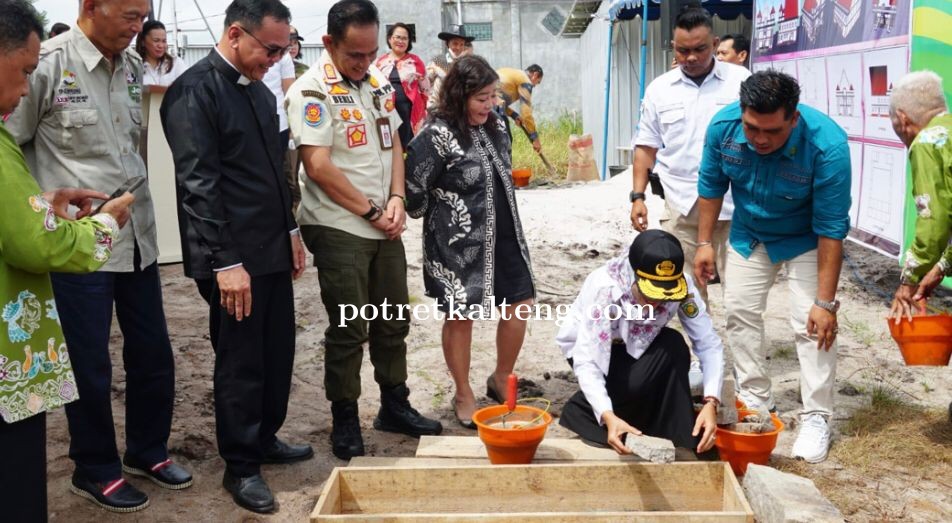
(308, 16)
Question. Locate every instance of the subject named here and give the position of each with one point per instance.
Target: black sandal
(467, 424)
(491, 390)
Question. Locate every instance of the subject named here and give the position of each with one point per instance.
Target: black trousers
(254, 358)
(651, 393)
(23, 473)
(85, 304)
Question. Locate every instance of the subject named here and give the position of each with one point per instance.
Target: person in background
(159, 68)
(456, 39)
(279, 79)
(516, 86)
(239, 240)
(632, 369)
(38, 236)
(788, 167)
(58, 29)
(344, 123)
(468, 49)
(407, 74)
(675, 113)
(295, 51)
(734, 48)
(80, 125)
(920, 118)
(474, 251)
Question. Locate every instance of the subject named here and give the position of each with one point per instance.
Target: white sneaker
(753, 403)
(813, 441)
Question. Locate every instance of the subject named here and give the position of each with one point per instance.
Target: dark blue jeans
(85, 304)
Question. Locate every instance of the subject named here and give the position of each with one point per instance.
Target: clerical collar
(242, 79)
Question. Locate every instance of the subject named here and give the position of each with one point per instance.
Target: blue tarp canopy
(723, 9)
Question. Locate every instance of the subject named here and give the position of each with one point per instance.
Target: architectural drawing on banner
(811, 17)
(766, 27)
(846, 14)
(882, 194)
(845, 96)
(882, 68)
(884, 14)
(784, 66)
(880, 89)
(787, 29)
(844, 77)
(856, 165)
(811, 73)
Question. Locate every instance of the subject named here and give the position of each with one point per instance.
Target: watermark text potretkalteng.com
(523, 311)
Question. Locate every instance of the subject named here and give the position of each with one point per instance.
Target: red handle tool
(512, 388)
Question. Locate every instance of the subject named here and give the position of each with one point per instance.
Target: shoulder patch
(689, 308)
(314, 114)
(310, 93)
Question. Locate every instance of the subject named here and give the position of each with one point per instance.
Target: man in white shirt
(675, 112)
(632, 369)
(279, 79)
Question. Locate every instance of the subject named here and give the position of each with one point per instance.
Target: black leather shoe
(114, 496)
(250, 492)
(164, 474)
(346, 441)
(281, 452)
(396, 414)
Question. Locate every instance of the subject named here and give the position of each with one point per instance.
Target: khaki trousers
(745, 295)
(684, 228)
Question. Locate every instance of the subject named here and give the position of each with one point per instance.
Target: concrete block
(655, 450)
(727, 411)
(779, 497)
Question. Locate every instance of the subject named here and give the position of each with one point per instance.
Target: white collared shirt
(159, 76)
(675, 113)
(280, 71)
(587, 333)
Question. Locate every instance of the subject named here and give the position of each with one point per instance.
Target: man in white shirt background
(279, 79)
(675, 112)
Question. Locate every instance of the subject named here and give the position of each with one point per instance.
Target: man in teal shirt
(788, 169)
(920, 117)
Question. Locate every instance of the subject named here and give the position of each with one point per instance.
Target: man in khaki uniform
(79, 126)
(344, 121)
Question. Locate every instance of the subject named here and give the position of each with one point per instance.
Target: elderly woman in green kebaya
(38, 234)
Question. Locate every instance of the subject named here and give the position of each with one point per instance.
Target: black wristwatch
(632, 196)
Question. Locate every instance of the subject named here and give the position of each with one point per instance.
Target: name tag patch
(734, 160)
(793, 177)
(356, 135)
(343, 99)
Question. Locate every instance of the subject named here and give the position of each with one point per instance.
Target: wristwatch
(632, 196)
(831, 306)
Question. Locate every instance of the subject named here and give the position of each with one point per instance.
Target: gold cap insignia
(665, 268)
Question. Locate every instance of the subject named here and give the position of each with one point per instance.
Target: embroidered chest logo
(69, 91)
(358, 116)
(345, 114)
(135, 89)
(356, 135)
(338, 89)
(374, 83)
(388, 105)
(313, 114)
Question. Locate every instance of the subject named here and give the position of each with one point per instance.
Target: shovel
(545, 161)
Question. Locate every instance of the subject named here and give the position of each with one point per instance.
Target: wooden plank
(551, 449)
(577, 487)
(551, 517)
(329, 502)
(379, 461)
(734, 497)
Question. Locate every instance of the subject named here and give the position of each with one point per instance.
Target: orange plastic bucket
(511, 445)
(520, 177)
(741, 449)
(926, 340)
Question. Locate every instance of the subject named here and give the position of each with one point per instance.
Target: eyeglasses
(401, 38)
(270, 49)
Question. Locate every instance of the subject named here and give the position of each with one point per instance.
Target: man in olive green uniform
(343, 121)
(920, 118)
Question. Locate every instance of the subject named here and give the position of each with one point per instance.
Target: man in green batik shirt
(37, 235)
(920, 117)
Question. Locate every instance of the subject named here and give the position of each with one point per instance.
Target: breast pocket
(672, 118)
(80, 134)
(135, 113)
(792, 190)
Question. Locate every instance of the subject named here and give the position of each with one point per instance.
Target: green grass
(554, 136)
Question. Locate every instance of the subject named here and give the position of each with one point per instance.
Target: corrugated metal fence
(626, 49)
